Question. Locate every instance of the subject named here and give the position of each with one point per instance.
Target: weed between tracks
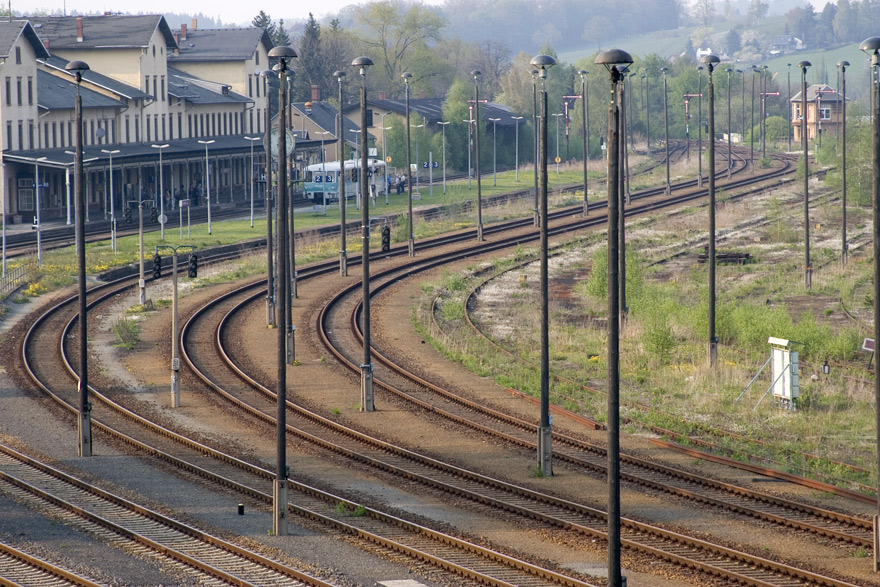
(665, 381)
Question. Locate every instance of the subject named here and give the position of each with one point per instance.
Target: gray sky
(228, 11)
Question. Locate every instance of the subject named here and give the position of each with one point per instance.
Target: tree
(393, 30)
(455, 110)
(704, 11)
(264, 21)
(598, 28)
(845, 26)
(757, 12)
(310, 69)
(733, 42)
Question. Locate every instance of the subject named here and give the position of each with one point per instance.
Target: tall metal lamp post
(340, 135)
(367, 404)
(270, 278)
(252, 140)
(207, 180)
(284, 54)
(78, 68)
(112, 152)
(545, 432)
(476, 73)
(664, 71)
(700, 125)
(788, 69)
(729, 127)
(613, 60)
(808, 268)
(534, 74)
(494, 122)
(515, 151)
(443, 134)
(871, 46)
(161, 189)
(411, 240)
(711, 61)
(586, 135)
(844, 245)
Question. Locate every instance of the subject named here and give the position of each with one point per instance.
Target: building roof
(55, 93)
(323, 115)
(220, 44)
(828, 94)
(130, 153)
(102, 81)
(185, 86)
(431, 109)
(12, 30)
(110, 31)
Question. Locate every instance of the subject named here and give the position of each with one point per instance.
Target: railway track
(195, 469)
(457, 487)
(132, 527)
(21, 568)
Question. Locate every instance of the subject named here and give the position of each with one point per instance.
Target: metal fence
(12, 279)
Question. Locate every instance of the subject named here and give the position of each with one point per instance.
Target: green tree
(310, 70)
(392, 31)
(455, 110)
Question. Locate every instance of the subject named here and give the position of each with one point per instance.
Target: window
(18, 55)
(156, 127)
(148, 128)
(825, 113)
(155, 87)
(127, 129)
(54, 135)
(170, 127)
(147, 84)
(257, 56)
(179, 125)
(189, 124)
(18, 89)
(30, 90)
(9, 91)
(154, 50)
(137, 128)
(9, 135)
(31, 143)
(26, 198)
(20, 135)
(46, 135)
(251, 121)
(162, 87)
(797, 111)
(369, 117)
(250, 86)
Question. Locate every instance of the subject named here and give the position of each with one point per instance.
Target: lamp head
(843, 64)
(476, 73)
(362, 63)
(613, 58)
(534, 73)
(284, 54)
(700, 68)
(728, 70)
(542, 63)
(583, 72)
(267, 73)
(406, 77)
(804, 65)
(77, 68)
(870, 45)
(664, 71)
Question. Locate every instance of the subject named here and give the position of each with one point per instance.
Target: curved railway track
(825, 522)
(211, 462)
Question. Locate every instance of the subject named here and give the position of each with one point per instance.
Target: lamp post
(788, 70)
(38, 217)
(647, 112)
(367, 404)
(729, 127)
(251, 140)
(711, 61)
(844, 245)
(515, 150)
(664, 71)
(270, 278)
(534, 73)
(871, 46)
(78, 68)
(411, 240)
(743, 102)
(175, 329)
(161, 190)
(556, 115)
(356, 132)
(443, 134)
(476, 73)
(613, 59)
(545, 432)
(418, 159)
(752, 126)
(494, 151)
(586, 130)
(112, 207)
(324, 133)
(700, 125)
(764, 122)
(340, 135)
(208, 180)
(808, 269)
(284, 55)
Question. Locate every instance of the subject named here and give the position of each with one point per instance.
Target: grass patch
(127, 332)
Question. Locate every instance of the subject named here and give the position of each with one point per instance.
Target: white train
(322, 179)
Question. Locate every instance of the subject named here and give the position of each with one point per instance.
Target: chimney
(383, 95)
(195, 23)
(79, 29)
(316, 93)
(183, 31)
(422, 94)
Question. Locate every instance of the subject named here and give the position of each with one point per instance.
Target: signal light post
(175, 325)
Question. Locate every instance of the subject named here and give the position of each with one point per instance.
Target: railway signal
(157, 266)
(128, 215)
(386, 239)
(192, 270)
